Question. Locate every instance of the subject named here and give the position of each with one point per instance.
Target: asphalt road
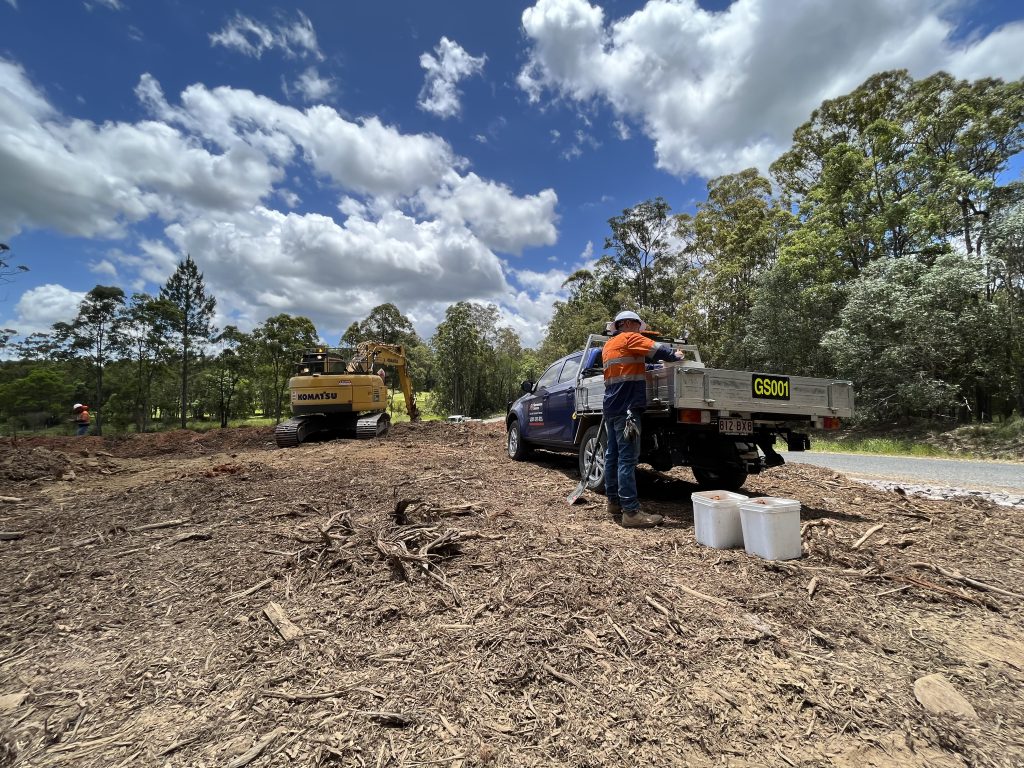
(946, 473)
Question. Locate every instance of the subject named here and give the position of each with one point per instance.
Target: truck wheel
(592, 458)
(720, 479)
(518, 450)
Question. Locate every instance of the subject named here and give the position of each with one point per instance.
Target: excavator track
(290, 433)
(299, 429)
(374, 425)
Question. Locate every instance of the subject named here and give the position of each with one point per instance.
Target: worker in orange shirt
(81, 418)
(625, 357)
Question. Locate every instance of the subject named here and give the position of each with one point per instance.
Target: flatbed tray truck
(723, 424)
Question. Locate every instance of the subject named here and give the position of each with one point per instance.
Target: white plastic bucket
(771, 528)
(716, 518)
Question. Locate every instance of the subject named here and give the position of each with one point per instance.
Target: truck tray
(762, 395)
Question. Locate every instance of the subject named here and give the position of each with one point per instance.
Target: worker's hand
(678, 354)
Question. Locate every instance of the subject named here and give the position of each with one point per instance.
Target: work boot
(638, 519)
(614, 508)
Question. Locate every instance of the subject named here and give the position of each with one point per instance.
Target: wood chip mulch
(421, 600)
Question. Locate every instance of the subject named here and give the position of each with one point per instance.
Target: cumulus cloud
(409, 223)
(440, 94)
(499, 218)
(269, 262)
(254, 38)
(92, 180)
(40, 307)
(718, 91)
(311, 86)
(103, 267)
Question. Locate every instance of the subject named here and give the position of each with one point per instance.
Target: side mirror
(527, 386)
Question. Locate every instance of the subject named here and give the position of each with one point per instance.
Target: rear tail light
(691, 415)
(830, 422)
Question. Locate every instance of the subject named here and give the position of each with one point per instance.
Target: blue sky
(320, 158)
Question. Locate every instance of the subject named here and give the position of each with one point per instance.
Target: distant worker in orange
(81, 418)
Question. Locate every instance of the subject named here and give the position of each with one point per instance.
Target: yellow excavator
(332, 397)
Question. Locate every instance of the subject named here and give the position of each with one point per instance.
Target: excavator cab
(321, 360)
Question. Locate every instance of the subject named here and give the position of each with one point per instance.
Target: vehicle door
(534, 426)
(560, 402)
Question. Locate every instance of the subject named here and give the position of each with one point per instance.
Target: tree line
(886, 247)
(144, 362)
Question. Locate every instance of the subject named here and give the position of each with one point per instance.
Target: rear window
(550, 376)
(569, 369)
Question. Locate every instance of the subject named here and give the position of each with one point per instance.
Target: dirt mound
(32, 464)
(180, 442)
(423, 600)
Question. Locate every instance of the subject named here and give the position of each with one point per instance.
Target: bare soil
(209, 600)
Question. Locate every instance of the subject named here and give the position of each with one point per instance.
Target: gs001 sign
(770, 387)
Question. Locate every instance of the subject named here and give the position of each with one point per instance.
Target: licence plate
(735, 426)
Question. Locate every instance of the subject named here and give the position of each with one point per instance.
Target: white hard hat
(626, 315)
(77, 405)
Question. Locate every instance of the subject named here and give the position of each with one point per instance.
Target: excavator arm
(371, 353)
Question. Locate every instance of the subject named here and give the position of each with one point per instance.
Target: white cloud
(412, 225)
(103, 267)
(500, 219)
(440, 94)
(40, 307)
(269, 262)
(13, 3)
(718, 91)
(545, 282)
(254, 38)
(312, 86)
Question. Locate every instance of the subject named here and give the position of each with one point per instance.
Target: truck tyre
(729, 478)
(518, 450)
(592, 453)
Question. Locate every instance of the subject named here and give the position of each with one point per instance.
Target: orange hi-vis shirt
(625, 357)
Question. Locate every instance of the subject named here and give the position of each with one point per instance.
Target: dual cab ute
(722, 424)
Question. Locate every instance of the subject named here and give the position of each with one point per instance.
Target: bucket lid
(714, 496)
(769, 504)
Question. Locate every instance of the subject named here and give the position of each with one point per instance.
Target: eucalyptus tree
(147, 348)
(594, 297)
(41, 346)
(95, 335)
(190, 315)
(278, 342)
(1004, 259)
(7, 269)
(734, 237)
(475, 360)
(387, 325)
(966, 133)
(639, 237)
(228, 370)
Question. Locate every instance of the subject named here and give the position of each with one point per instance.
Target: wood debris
(432, 603)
